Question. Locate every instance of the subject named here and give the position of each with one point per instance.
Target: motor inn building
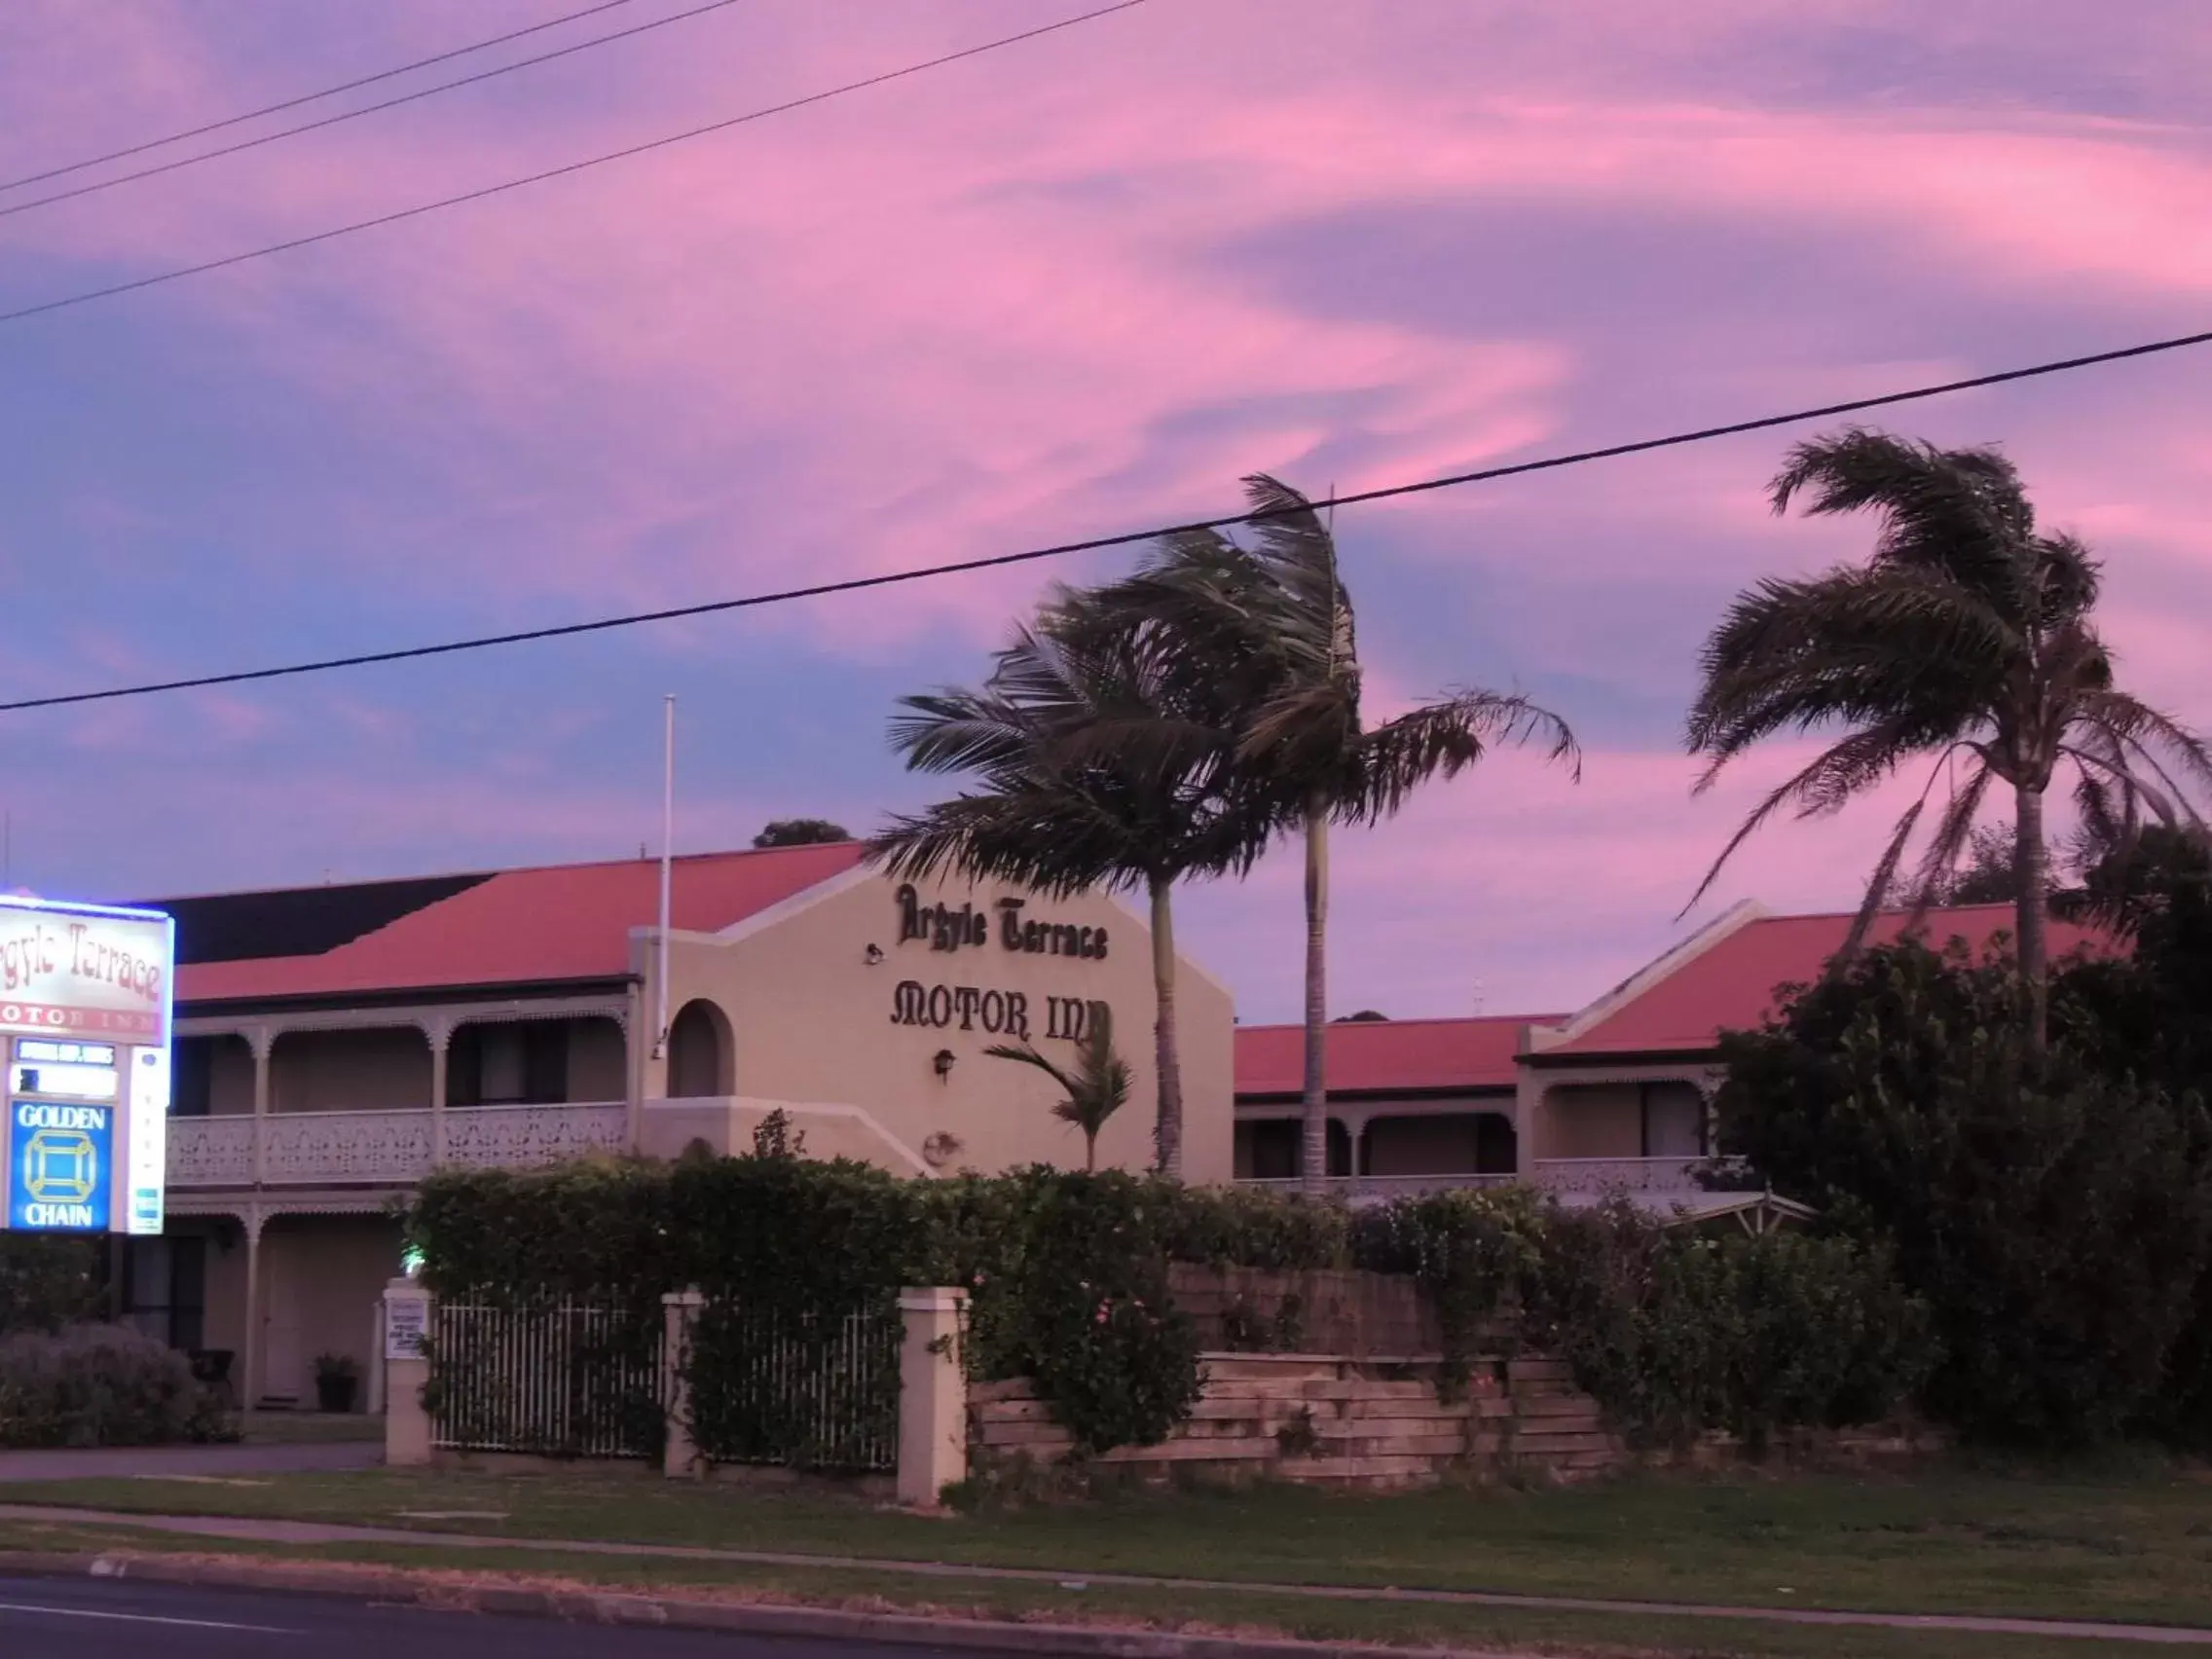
(334, 1044)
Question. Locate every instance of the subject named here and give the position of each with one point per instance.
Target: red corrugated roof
(523, 926)
(1384, 1055)
(1731, 984)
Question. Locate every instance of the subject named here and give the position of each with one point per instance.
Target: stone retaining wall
(1359, 1315)
(1328, 1419)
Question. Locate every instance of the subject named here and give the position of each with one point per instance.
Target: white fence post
(680, 1454)
(933, 1394)
(406, 1369)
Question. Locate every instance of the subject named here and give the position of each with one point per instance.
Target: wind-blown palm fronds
(1095, 767)
(1968, 640)
(1270, 626)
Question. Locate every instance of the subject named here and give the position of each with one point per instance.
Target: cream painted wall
(1592, 1121)
(812, 1021)
(383, 1069)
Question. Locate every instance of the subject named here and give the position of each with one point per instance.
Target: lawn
(2125, 1545)
(1242, 1612)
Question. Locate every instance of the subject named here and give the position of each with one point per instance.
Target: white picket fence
(580, 1380)
(818, 1393)
(567, 1380)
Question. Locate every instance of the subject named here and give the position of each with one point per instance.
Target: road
(76, 1619)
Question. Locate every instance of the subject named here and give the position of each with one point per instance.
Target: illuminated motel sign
(85, 1008)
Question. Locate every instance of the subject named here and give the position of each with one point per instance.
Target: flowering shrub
(1080, 1305)
(99, 1385)
(1474, 1251)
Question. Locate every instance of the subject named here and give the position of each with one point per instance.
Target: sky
(1072, 288)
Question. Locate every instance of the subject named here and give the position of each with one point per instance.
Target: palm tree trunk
(1315, 1166)
(1091, 1152)
(2031, 868)
(1167, 1133)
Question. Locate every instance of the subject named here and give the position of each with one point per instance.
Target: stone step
(1210, 1451)
(1037, 1438)
(1425, 1445)
(1551, 1407)
(1565, 1442)
(1356, 1468)
(1270, 1367)
(1538, 1371)
(989, 1412)
(1012, 1388)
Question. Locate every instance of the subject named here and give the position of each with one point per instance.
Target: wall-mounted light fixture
(873, 956)
(943, 1063)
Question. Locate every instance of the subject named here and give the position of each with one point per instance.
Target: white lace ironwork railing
(386, 1148)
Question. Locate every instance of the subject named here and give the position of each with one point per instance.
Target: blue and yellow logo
(57, 1166)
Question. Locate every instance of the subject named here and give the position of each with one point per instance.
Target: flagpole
(667, 855)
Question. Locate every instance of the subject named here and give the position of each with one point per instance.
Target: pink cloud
(988, 309)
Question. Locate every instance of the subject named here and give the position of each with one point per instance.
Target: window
(164, 1289)
(1673, 1120)
(524, 1063)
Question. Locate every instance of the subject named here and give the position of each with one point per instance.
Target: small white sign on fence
(406, 1327)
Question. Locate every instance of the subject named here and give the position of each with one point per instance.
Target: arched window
(700, 1059)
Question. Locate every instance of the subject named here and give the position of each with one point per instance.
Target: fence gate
(559, 1380)
(809, 1390)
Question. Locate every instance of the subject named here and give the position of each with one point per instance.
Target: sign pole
(667, 856)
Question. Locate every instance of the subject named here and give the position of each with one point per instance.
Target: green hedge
(1067, 1276)
(1676, 1333)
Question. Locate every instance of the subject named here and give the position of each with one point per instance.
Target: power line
(99, 185)
(563, 171)
(855, 584)
(309, 97)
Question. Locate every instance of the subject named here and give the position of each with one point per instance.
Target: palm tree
(1270, 626)
(1095, 768)
(1092, 1093)
(1967, 636)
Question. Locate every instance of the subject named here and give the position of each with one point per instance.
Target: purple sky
(1072, 288)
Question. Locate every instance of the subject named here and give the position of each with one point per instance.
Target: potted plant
(336, 1379)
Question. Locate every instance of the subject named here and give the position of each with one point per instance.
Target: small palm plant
(1093, 1092)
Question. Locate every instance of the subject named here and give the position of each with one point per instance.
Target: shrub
(1474, 1252)
(99, 1385)
(1224, 1227)
(2056, 1218)
(1079, 1305)
(1675, 1333)
(45, 1283)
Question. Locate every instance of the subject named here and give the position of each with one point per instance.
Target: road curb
(618, 1608)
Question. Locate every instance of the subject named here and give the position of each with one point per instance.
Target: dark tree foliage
(2055, 1212)
(2150, 1014)
(47, 1283)
(801, 833)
